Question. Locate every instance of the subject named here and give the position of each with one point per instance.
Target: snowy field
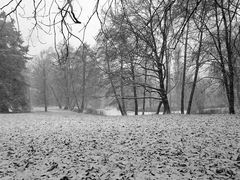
(64, 145)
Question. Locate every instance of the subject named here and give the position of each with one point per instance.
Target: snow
(113, 111)
(67, 145)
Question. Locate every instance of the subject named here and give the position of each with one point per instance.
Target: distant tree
(13, 87)
(40, 78)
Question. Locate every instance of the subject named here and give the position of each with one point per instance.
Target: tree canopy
(13, 86)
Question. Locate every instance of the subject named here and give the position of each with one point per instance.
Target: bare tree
(224, 16)
(148, 35)
(40, 75)
(198, 54)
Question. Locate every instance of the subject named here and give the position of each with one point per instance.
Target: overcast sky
(44, 40)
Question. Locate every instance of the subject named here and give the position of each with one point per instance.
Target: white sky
(47, 40)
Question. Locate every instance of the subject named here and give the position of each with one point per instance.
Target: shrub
(94, 111)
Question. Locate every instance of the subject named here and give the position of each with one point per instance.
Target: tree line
(161, 46)
(158, 55)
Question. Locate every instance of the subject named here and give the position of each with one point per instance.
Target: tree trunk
(177, 79)
(163, 94)
(159, 107)
(166, 107)
(67, 93)
(122, 89)
(184, 71)
(112, 85)
(144, 101)
(134, 89)
(163, 91)
(83, 84)
(228, 16)
(168, 72)
(83, 58)
(150, 101)
(231, 91)
(144, 89)
(193, 88)
(196, 72)
(123, 113)
(45, 89)
(76, 99)
(230, 75)
(237, 88)
(165, 102)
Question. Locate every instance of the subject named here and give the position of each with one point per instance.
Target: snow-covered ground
(112, 111)
(66, 145)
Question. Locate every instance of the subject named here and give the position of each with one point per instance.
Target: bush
(94, 111)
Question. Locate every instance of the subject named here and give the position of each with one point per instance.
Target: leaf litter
(65, 145)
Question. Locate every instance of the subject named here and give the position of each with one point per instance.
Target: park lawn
(67, 145)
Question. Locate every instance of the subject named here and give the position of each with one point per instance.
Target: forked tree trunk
(163, 91)
(164, 99)
(166, 107)
(163, 94)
